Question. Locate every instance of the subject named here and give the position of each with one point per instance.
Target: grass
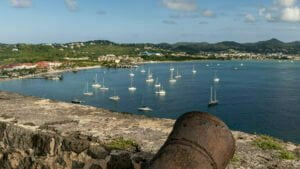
(269, 143)
(121, 144)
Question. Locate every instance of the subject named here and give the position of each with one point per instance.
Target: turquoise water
(261, 97)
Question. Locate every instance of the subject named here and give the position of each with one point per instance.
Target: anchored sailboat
(114, 97)
(132, 88)
(216, 79)
(131, 74)
(150, 77)
(103, 86)
(194, 70)
(172, 80)
(157, 84)
(96, 84)
(177, 75)
(86, 90)
(161, 91)
(213, 97)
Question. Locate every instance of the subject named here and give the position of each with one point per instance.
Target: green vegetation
(269, 143)
(235, 160)
(121, 144)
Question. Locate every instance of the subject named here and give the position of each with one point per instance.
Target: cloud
(286, 3)
(291, 14)
(250, 18)
(21, 3)
(282, 10)
(181, 5)
(169, 22)
(72, 5)
(208, 13)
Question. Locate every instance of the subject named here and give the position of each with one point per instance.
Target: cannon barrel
(198, 141)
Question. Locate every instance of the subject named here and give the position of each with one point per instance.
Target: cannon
(198, 141)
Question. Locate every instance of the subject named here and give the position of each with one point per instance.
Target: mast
(215, 94)
(87, 87)
(211, 94)
(131, 82)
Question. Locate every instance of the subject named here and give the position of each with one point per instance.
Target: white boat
(177, 75)
(150, 77)
(194, 70)
(132, 88)
(115, 97)
(143, 70)
(145, 109)
(86, 90)
(157, 84)
(207, 65)
(103, 86)
(172, 80)
(216, 79)
(161, 92)
(241, 64)
(235, 68)
(171, 68)
(96, 84)
(131, 74)
(213, 97)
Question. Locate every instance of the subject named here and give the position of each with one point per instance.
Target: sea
(261, 97)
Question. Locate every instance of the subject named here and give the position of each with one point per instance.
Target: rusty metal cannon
(198, 141)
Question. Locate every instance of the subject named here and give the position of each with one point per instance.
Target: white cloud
(249, 18)
(286, 3)
(282, 10)
(208, 13)
(21, 3)
(71, 4)
(291, 14)
(180, 5)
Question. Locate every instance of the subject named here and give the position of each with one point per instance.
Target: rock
(297, 151)
(43, 144)
(95, 166)
(72, 144)
(119, 160)
(77, 165)
(97, 152)
(2, 129)
(61, 161)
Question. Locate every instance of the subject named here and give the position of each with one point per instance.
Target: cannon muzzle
(198, 141)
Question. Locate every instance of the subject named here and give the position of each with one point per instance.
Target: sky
(154, 21)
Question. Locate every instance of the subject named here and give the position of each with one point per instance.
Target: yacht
(103, 86)
(132, 88)
(150, 77)
(96, 84)
(216, 79)
(213, 97)
(172, 80)
(76, 101)
(144, 109)
(161, 92)
(171, 68)
(131, 74)
(86, 90)
(194, 70)
(115, 97)
(143, 70)
(157, 84)
(177, 75)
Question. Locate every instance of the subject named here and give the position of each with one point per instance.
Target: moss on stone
(287, 155)
(268, 143)
(121, 144)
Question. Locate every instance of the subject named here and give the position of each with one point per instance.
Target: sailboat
(86, 90)
(143, 70)
(132, 88)
(172, 80)
(216, 79)
(131, 74)
(96, 84)
(194, 70)
(157, 84)
(213, 97)
(161, 91)
(150, 77)
(114, 97)
(171, 68)
(177, 75)
(103, 86)
(144, 108)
